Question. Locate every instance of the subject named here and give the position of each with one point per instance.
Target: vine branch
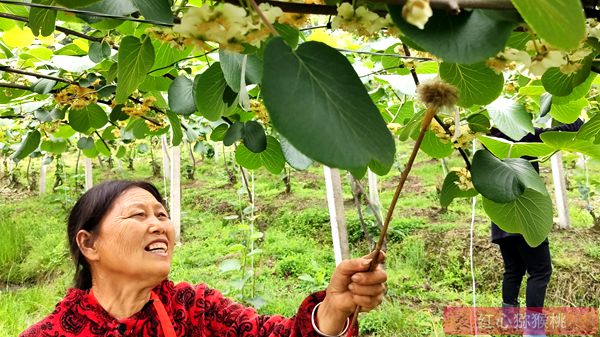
(181, 60)
(84, 12)
(14, 86)
(58, 28)
(28, 73)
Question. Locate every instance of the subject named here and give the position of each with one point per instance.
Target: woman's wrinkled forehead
(135, 197)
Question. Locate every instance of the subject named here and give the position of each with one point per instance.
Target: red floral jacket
(194, 311)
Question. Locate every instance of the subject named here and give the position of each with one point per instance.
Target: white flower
(417, 12)
(517, 56)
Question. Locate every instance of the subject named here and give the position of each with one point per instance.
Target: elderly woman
(122, 240)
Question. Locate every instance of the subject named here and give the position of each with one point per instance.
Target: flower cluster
(138, 110)
(75, 96)
(464, 182)
(417, 12)
(297, 19)
(259, 110)
(156, 123)
(394, 127)
(167, 35)
(360, 21)
(228, 25)
(459, 139)
(538, 57)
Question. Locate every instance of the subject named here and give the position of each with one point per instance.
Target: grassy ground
(427, 257)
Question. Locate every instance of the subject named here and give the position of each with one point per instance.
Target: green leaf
(177, 134)
(102, 148)
(56, 146)
(30, 143)
(503, 148)
(85, 143)
(99, 51)
(254, 136)
(92, 116)
(591, 129)
(477, 84)
(135, 59)
(466, 38)
(43, 86)
(568, 112)
(219, 132)
(511, 118)
(157, 10)
(233, 134)
(41, 21)
(43, 115)
(210, 93)
(316, 86)
(290, 34)
(560, 22)
(230, 265)
(271, 158)
(64, 131)
(76, 3)
(231, 66)
(295, 158)
(138, 128)
(91, 153)
(503, 180)
(530, 215)
(181, 96)
(435, 147)
(559, 84)
(450, 190)
(479, 123)
(114, 7)
(166, 56)
(121, 152)
(578, 92)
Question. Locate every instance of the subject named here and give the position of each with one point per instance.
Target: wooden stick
(429, 114)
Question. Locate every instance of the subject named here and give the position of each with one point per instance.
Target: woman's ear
(87, 245)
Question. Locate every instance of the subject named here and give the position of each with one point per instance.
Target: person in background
(121, 240)
(518, 257)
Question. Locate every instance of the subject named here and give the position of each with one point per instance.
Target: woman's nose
(157, 226)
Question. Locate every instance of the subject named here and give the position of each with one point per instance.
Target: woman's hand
(351, 285)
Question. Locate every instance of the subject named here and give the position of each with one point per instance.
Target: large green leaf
(231, 65)
(578, 92)
(530, 215)
(181, 96)
(157, 10)
(135, 59)
(85, 143)
(476, 83)
(503, 148)
(450, 190)
(219, 132)
(470, 37)
(212, 93)
(30, 142)
(114, 7)
(560, 22)
(42, 21)
(559, 84)
(271, 158)
(92, 116)
(503, 180)
(568, 112)
(511, 118)
(233, 134)
(569, 141)
(315, 87)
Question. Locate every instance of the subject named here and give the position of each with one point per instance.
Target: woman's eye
(137, 214)
(163, 215)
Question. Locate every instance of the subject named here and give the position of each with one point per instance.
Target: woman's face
(135, 239)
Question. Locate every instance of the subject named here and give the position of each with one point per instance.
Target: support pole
(560, 191)
(335, 201)
(89, 180)
(175, 204)
(374, 192)
(43, 179)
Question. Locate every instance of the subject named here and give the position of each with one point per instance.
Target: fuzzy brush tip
(437, 94)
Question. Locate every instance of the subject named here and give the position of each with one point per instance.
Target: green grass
(427, 256)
